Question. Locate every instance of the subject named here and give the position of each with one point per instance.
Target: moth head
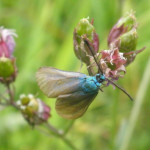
(100, 78)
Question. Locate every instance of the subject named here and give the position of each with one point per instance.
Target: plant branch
(11, 96)
(60, 134)
(3, 97)
(69, 127)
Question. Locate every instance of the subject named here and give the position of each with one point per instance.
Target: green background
(45, 38)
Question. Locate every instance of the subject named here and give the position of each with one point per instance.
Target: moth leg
(101, 89)
(81, 66)
(103, 86)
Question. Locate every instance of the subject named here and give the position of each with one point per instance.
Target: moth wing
(72, 106)
(54, 82)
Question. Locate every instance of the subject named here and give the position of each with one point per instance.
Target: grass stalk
(136, 109)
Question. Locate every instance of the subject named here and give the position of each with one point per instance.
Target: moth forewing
(54, 82)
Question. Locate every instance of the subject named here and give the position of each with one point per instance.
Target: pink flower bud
(124, 36)
(7, 43)
(120, 35)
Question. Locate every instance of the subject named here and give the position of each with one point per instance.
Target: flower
(34, 110)
(122, 41)
(8, 69)
(112, 62)
(7, 43)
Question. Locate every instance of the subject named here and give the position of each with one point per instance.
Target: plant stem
(53, 129)
(69, 127)
(136, 109)
(43, 131)
(55, 132)
(11, 96)
(60, 135)
(3, 97)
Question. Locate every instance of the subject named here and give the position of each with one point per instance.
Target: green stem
(114, 118)
(69, 127)
(11, 96)
(43, 131)
(3, 97)
(136, 109)
(60, 135)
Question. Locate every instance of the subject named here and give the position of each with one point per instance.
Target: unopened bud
(123, 26)
(128, 41)
(84, 27)
(85, 30)
(128, 21)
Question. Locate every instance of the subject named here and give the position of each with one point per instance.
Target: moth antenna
(91, 50)
(120, 89)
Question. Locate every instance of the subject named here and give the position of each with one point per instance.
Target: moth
(74, 91)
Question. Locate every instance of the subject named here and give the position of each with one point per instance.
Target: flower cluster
(122, 41)
(34, 110)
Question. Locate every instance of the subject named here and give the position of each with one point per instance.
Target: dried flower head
(112, 62)
(34, 110)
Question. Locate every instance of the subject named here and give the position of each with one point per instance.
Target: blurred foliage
(45, 30)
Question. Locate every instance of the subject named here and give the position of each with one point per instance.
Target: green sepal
(6, 67)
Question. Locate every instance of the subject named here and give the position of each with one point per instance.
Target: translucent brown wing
(72, 106)
(54, 82)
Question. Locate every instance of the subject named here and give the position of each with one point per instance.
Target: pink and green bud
(124, 37)
(128, 21)
(7, 62)
(7, 43)
(34, 110)
(84, 27)
(85, 30)
(123, 26)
